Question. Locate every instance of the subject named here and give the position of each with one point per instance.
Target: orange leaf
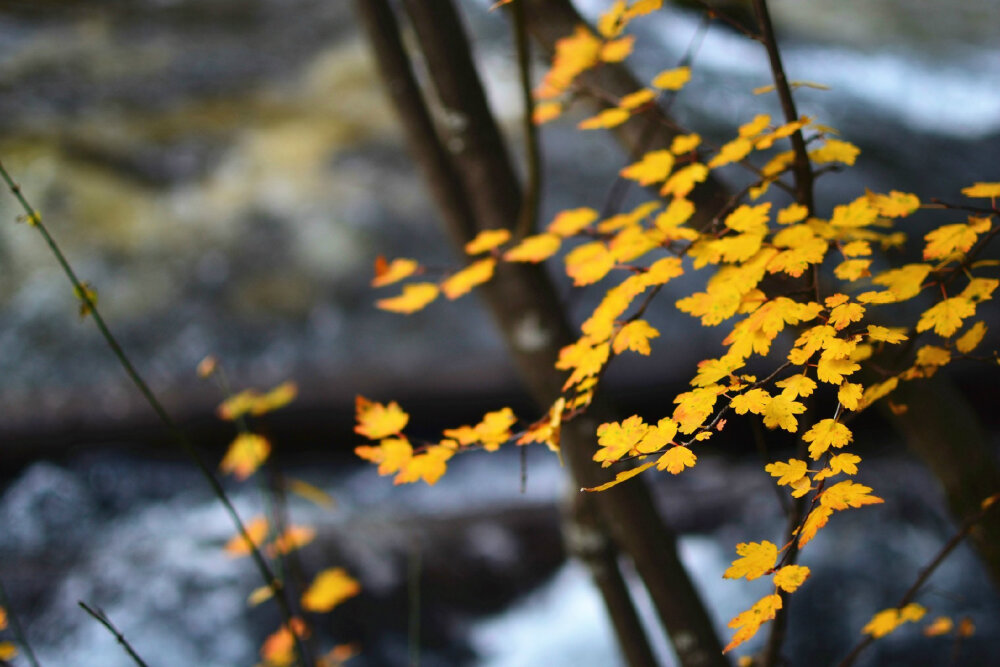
(391, 454)
(256, 529)
(394, 271)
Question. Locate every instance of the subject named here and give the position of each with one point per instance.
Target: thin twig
(528, 217)
(15, 626)
(35, 220)
(413, 584)
(925, 574)
(801, 167)
(103, 619)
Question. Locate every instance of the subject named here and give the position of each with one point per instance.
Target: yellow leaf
(888, 620)
(980, 289)
(534, 248)
(259, 595)
(949, 239)
(833, 370)
(946, 316)
(391, 455)
(251, 402)
(971, 338)
(657, 437)
(750, 620)
(835, 150)
(7, 651)
(618, 439)
(635, 100)
(694, 406)
(684, 143)
(756, 126)
(635, 336)
(486, 240)
(672, 79)
(751, 219)
(376, 421)
(781, 411)
(246, 453)
(825, 434)
(475, 274)
(684, 180)
(643, 7)
(932, 355)
(732, 151)
(3, 618)
(428, 466)
(792, 213)
(654, 166)
(622, 476)
(571, 221)
(790, 577)
(753, 400)
(545, 112)
(853, 269)
(414, 297)
(394, 271)
(797, 385)
(904, 282)
(492, 431)
(610, 23)
(606, 119)
(328, 589)
(574, 54)
(982, 190)
(849, 395)
(675, 459)
(312, 493)
(617, 50)
(816, 520)
(846, 313)
(589, 263)
(787, 473)
(846, 494)
(757, 560)
(891, 336)
(662, 270)
(895, 204)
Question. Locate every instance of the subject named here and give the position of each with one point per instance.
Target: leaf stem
(178, 435)
(103, 619)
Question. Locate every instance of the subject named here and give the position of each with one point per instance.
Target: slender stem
(15, 627)
(103, 619)
(178, 435)
(925, 574)
(413, 583)
(529, 204)
(801, 167)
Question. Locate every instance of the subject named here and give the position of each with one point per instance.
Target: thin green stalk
(35, 220)
(15, 627)
(103, 619)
